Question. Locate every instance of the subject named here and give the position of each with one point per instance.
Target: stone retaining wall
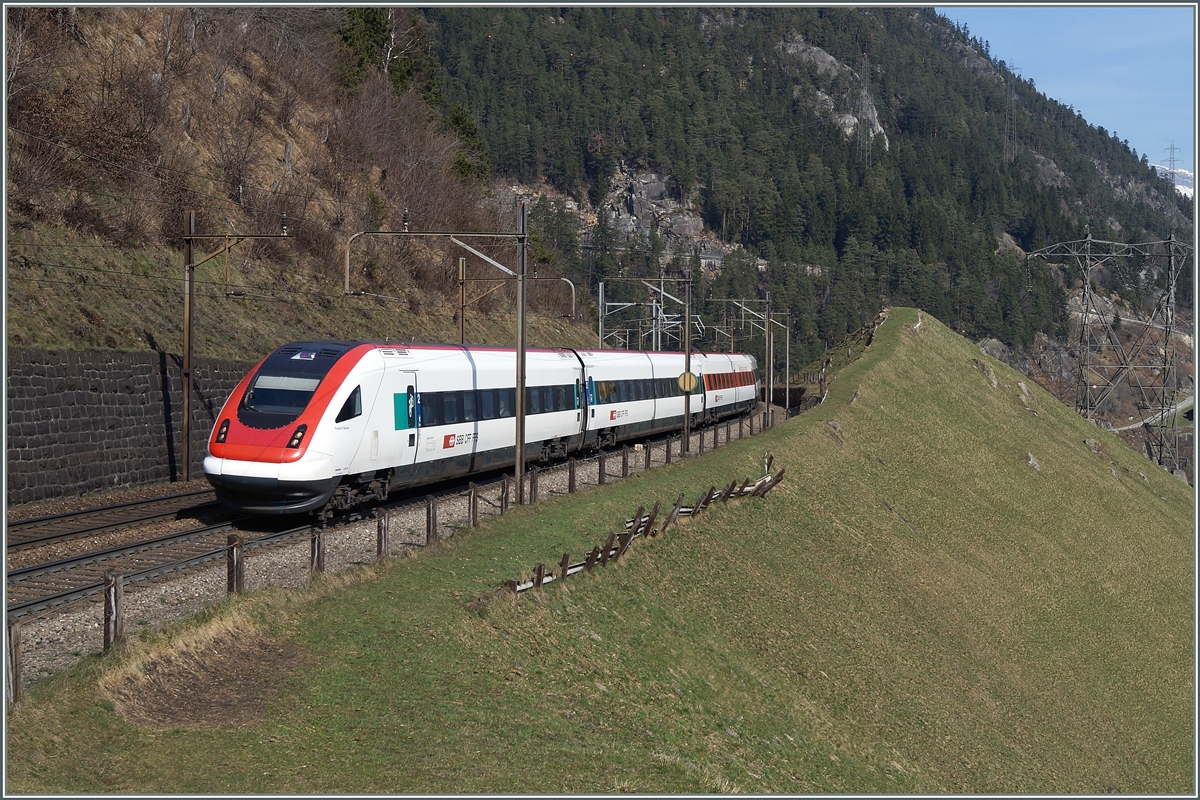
(81, 421)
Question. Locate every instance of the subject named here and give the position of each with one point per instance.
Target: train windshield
(279, 394)
(285, 383)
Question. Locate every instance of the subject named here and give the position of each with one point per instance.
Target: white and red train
(326, 425)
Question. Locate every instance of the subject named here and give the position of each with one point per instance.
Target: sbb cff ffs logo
(455, 439)
(618, 414)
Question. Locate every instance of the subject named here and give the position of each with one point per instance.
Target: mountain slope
(860, 152)
(916, 608)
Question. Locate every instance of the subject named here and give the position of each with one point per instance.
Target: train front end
(261, 454)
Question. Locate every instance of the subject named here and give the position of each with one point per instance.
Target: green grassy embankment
(916, 608)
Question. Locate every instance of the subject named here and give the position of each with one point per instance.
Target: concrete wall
(80, 421)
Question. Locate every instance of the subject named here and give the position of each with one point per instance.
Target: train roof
(335, 348)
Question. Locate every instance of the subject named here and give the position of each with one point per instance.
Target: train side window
(548, 403)
(450, 408)
(470, 412)
(412, 406)
(431, 409)
(508, 402)
(352, 407)
(487, 404)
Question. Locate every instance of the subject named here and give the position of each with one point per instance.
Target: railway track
(45, 586)
(52, 584)
(38, 531)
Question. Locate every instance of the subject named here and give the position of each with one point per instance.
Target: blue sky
(1130, 69)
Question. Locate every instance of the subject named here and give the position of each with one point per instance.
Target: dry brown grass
(122, 118)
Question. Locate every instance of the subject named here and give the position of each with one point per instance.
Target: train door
(581, 409)
(404, 420)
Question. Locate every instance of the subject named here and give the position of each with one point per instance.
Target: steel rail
(146, 574)
(101, 519)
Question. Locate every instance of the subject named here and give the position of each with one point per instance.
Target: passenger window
(352, 407)
(533, 399)
(487, 403)
(435, 409)
(548, 399)
(508, 402)
(468, 407)
(450, 410)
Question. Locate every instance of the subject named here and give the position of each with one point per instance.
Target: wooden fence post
(564, 567)
(235, 582)
(473, 506)
(726, 431)
(646, 451)
(316, 554)
(114, 609)
(503, 495)
(741, 429)
(592, 557)
(607, 549)
(650, 520)
(382, 545)
(625, 461)
(603, 472)
(539, 573)
(571, 475)
(431, 531)
(623, 544)
(668, 450)
(674, 515)
(533, 484)
(701, 442)
(15, 688)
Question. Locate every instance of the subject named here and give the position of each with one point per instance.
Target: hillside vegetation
(951, 591)
(120, 119)
(864, 155)
(860, 152)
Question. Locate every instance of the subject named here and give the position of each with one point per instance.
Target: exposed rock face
(640, 201)
(843, 97)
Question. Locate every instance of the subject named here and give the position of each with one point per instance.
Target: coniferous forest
(740, 110)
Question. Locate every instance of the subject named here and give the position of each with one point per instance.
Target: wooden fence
(640, 525)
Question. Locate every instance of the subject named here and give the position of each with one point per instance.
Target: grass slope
(77, 293)
(915, 608)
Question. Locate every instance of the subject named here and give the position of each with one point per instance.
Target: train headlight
(222, 431)
(297, 437)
